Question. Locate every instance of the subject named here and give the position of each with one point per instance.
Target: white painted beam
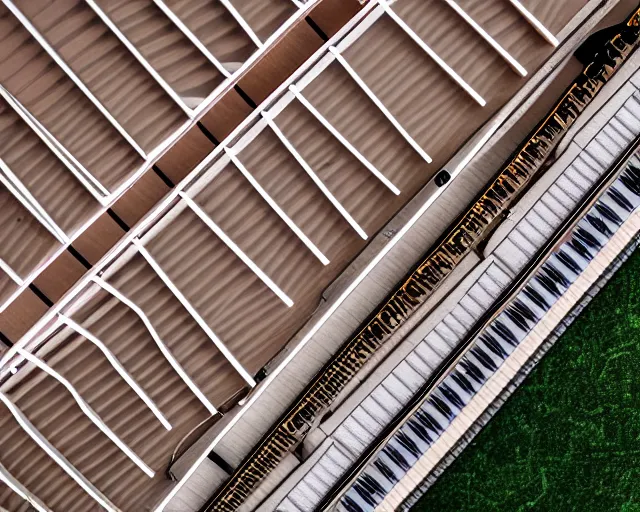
(158, 341)
(6, 268)
(242, 22)
(88, 411)
(59, 459)
(192, 37)
(90, 182)
(276, 208)
(117, 366)
(194, 314)
(140, 58)
(515, 65)
(307, 168)
(325, 122)
(433, 55)
(21, 490)
(381, 106)
(24, 196)
(70, 73)
(535, 23)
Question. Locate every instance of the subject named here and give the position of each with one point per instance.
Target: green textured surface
(569, 438)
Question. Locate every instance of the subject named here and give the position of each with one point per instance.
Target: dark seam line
(163, 177)
(79, 257)
(208, 134)
(316, 28)
(118, 220)
(41, 295)
(220, 462)
(5, 340)
(245, 96)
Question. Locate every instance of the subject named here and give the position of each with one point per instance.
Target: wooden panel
(226, 113)
(60, 276)
(21, 315)
(280, 62)
(96, 241)
(185, 154)
(332, 15)
(140, 198)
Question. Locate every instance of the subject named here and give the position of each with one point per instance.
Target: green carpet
(569, 438)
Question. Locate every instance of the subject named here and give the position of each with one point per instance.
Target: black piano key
(451, 395)
(408, 444)
(364, 493)
(524, 310)
(557, 275)
(472, 370)
(463, 382)
(373, 484)
(514, 315)
(441, 406)
(350, 504)
(535, 297)
(581, 249)
(385, 470)
(486, 361)
(428, 421)
(396, 457)
(420, 431)
(599, 224)
(633, 184)
(587, 238)
(548, 284)
(504, 332)
(608, 213)
(619, 199)
(492, 344)
(569, 262)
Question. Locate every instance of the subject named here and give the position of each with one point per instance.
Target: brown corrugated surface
(332, 15)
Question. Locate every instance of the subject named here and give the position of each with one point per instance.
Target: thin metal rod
(195, 207)
(296, 92)
(140, 58)
(117, 366)
(433, 55)
(274, 206)
(535, 23)
(70, 73)
(24, 196)
(242, 22)
(192, 37)
(90, 182)
(515, 65)
(21, 490)
(307, 168)
(372, 96)
(158, 341)
(59, 459)
(88, 411)
(6, 268)
(192, 311)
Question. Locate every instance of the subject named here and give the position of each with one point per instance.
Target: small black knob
(442, 178)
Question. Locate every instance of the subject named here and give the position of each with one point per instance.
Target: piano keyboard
(500, 350)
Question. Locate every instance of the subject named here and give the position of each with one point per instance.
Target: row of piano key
(495, 343)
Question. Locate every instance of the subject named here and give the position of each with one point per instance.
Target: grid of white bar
(21, 490)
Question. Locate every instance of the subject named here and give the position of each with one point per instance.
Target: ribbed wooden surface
(57, 190)
(44, 89)
(553, 15)
(107, 68)
(265, 16)
(164, 46)
(229, 43)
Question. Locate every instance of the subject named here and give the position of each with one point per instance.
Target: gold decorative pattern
(431, 272)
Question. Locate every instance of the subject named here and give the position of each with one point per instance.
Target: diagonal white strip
(24, 196)
(307, 168)
(21, 490)
(274, 206)
(535, 23)
(156, 338)
(296, 92)
(194, 314)
(381, 106)
(69, 72)
(242, 22)
(139, 57)
(434, 56)
(6, 268)
(59, 459)
(119, 368)
(192, 37)
(494, 44)
(89, 181)
(195, 207)
(88, 411)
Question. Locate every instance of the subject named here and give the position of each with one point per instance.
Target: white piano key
(443, 331)
(463, 317)
(419, 365)
(573, 190)
(397, 388)
(627, 119)
(544, 219)
(497, 275)
(369, 422)
(588, 167)
(386, 400)
(408, 376)
(376, 410)
(511, 255)
(438, 344)
(531, 233)
(596, 150)
(428, 354)
(456, 327)
(471, 306)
